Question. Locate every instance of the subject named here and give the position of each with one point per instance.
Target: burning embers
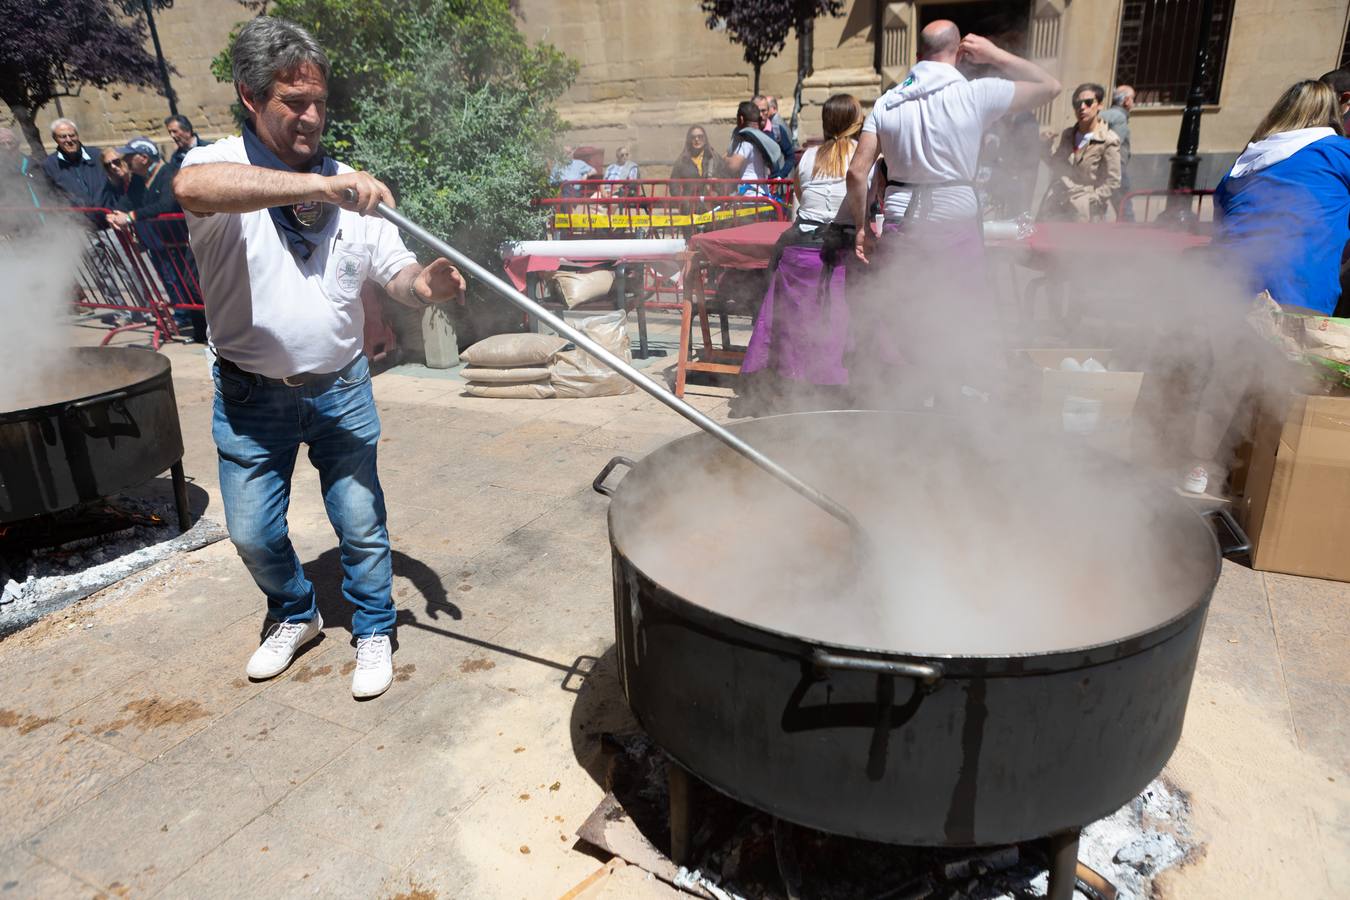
(727, 850)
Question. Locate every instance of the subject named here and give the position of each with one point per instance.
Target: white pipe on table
(598, 249)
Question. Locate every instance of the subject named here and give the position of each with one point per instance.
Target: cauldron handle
(1244, 543)
(95, 401)
(927, 673)
(599, 486)
(881, 716)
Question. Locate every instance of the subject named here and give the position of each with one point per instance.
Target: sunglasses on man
(1088, 102)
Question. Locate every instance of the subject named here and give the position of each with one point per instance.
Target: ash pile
(53, 561)
(738, 852)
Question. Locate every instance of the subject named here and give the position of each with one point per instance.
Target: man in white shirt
(753, 154)
(281, 272)
(928, 310)
(928, 130)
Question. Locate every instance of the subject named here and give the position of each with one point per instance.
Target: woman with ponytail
(802, 330)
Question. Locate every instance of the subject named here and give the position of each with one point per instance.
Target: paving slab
(395, 788)
(48, 769)
(26, 877)
(271, 858)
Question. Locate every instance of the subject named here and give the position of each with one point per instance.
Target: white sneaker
(278, 648)
(374, 666)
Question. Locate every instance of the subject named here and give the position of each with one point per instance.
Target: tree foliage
(446, 102)
(52, 48)
(761, 27)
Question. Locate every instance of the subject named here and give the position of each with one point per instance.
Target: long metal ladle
(819, 498)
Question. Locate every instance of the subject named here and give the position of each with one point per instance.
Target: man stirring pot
(283, 256)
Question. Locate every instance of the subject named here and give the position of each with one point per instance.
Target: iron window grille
(1156, 49)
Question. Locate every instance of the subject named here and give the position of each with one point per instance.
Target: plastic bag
(578, 374)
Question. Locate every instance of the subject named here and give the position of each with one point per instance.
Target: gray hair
(59, 122)
(267, 47)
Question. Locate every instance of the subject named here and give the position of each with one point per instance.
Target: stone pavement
(136, 760)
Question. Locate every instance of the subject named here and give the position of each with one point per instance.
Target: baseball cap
(140, 145)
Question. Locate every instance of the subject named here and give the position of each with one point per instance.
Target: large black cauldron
(812, 714)
(104, 421)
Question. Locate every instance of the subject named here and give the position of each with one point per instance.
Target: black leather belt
(300, 380)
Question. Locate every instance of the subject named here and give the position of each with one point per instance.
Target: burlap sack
(514, 350)
(490, 375)
(538, 390)
(579, 287)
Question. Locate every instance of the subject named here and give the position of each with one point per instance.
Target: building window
(1345, 47)
(1156, 50)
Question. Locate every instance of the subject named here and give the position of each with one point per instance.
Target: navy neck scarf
(301, 225)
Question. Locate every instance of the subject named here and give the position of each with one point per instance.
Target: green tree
(447, 102)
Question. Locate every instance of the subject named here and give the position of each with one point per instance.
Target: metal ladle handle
(618, 365)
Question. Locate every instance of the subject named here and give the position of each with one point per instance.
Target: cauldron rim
(135, 357)
(955, 664)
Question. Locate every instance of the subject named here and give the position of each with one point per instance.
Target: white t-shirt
(268, 311)
(821, 198)
(936, 137)
(756, 166)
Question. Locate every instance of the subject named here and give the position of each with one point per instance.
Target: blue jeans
(258, 428)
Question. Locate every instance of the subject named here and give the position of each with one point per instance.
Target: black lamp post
(1186, 163)
(159, 57)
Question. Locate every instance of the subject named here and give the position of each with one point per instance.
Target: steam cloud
(38, 267)
(992, 530)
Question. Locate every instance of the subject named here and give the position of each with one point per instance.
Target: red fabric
(517, 267)
(1123, 239)
(742, 247)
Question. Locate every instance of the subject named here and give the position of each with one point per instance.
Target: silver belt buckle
(287, 381)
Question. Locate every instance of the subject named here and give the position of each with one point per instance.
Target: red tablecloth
(742, 247)
(518, 268)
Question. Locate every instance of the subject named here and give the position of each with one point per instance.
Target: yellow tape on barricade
(562, 220)
(599, 220)
(702, 218)
(722, 215)
(640, 220)
(682, 220)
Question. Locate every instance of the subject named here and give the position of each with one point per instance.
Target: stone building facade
(192, 32)
(651, 68)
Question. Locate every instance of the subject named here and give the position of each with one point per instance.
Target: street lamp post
(159, 57)
(1186, 162)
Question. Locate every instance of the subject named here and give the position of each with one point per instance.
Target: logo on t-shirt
(349, 274)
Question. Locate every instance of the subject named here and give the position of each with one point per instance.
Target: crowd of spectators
(127, 189)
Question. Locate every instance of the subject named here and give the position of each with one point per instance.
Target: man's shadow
(325, 571)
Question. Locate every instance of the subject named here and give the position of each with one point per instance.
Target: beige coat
(1082, 181)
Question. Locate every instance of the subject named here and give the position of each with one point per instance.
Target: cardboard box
(1296, 508)
(1117, 391)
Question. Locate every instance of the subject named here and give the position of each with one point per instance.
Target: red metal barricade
(166, 236)
(1199, 205)
(141, 275)
(114, 273)
(664, 208)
